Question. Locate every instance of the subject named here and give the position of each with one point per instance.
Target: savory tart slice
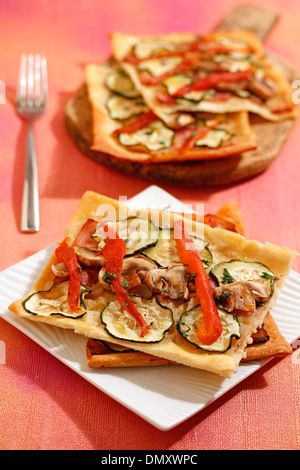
(221, 72)
(98, 285)
(267, 341)
(125, 127)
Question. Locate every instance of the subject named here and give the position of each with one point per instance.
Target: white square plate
(164, 396)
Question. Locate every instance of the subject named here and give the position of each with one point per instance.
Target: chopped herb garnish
(106, 277)
(220, 298)
(227, 278)
(192, 276)
(267, 276)
(226, 294)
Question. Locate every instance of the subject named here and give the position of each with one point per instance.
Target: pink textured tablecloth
(44, 404)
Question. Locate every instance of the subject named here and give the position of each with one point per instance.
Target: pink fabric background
(44, 405)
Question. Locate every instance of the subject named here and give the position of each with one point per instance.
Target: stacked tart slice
(184, 97)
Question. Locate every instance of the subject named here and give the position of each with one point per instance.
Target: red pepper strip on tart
(114, 252)
(190, 142)
(140, 122)
(187, 64)
(66, 255)
(147, 79)
(211, 327)
(213, 80)
(201, 46)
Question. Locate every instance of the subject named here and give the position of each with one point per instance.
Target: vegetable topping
(210, 328)
(155, 273)
(242, 285)
(66, 255)
(114, 252)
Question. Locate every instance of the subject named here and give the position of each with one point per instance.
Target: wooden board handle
(256, 19)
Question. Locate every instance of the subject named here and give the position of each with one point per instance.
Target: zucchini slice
(157, 67)
(138, 233)
(122, 108)
(214, 138)
(154, 137)
(239, 270)
(121, 325)
(55, 302)
(148, 47)
(165, 252)
(179, 80)
(119, 82)
(234, 55)
(197, 96)
(232, 43)
(188, 324)
(234, 62)
(176, 81)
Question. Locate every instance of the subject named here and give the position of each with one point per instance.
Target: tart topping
(153, 274)
(121, 325)
(171, 281)
(189, 323)
(241, 295)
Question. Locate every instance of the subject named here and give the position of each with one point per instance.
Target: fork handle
(30, 218)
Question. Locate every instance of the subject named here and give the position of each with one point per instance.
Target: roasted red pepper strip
(114, 252)
(212, 81)
(66, 254)
(196, 134)
(147, 79)
(140, 122)
(210, 329)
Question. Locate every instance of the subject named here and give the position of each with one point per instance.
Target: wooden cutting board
(270, 136)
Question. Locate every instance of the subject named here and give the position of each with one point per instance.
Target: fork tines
(33, 81)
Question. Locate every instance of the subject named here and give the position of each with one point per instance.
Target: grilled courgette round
(155, 136)
(214, 138)
(138, 233)
(119, 324)
(55, 302)
(119, 82)
(120, 107)
(188, 324)
(240, 270)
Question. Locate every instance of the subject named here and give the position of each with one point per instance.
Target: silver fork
(31, 103)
